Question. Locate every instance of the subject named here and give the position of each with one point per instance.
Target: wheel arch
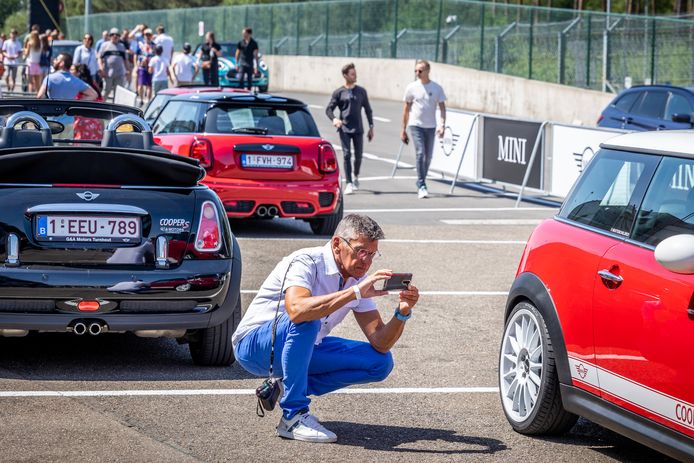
(529, 287)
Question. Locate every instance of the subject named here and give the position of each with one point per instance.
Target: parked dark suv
(650, 107)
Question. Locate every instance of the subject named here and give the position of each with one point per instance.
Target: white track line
(397, 177)
(429, 293)
(393, 241)
(315, 106)
(381, 119)
(492, 221)
(250, 392)
(455, 209)
(375, 157)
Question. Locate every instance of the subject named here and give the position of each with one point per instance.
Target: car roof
(664, 142)
(199, 89)
(659, 86)
(231, 97)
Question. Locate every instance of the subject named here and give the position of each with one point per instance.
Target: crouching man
(321, 286)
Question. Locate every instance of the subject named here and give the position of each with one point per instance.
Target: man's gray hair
(353, 226)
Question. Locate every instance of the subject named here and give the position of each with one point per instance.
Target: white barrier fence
(546, 158)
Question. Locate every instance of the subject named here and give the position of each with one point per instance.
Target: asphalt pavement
(122, 398)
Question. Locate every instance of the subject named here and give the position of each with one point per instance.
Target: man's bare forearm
(385, 338)
(310, 308)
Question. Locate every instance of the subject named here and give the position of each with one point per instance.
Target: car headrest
(133, 140)
(23, 138)
(273, 124)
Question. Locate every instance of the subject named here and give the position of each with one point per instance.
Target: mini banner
(449, 149)
(508, 145)
(125, 96)
(572, 148)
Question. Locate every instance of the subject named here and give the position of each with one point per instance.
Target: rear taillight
(600, 119)
(208, 237)
(201, 149)
(327, 161)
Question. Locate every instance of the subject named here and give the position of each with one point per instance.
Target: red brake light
(88, 306)
(208, 237)
(327, 161)
(201, 149)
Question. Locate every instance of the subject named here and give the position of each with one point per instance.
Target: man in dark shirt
(351, 98)
(247, 58)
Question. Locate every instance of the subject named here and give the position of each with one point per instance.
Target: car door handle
(610, 280)
(628, 120)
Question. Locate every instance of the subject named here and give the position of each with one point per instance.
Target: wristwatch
(400, 316)
(357, 293)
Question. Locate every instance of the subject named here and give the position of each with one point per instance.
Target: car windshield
(293, 121)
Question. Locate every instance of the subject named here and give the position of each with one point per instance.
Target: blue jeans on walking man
(423, 139)
(306, 368)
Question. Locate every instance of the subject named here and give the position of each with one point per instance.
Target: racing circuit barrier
(579, 48)
(544, 158)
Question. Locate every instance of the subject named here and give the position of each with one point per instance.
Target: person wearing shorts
(145, 52)
(159, 69)
(11, 49)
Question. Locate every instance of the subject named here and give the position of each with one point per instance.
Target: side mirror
(684, 118)
(676, 253)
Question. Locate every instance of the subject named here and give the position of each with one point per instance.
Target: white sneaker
(356, 183)
(305, 427)
(422, 193)
(349, 189)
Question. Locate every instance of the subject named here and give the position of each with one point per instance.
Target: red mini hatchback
(600, 319)
(263, 154)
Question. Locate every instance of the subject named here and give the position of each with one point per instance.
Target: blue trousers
(306, 368)
(423, 139)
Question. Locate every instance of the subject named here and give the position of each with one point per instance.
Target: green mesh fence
(583, 49)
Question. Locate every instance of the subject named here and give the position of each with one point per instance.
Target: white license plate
(88, 229)
(267, 161)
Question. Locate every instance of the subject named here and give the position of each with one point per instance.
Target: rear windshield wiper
(253, 130)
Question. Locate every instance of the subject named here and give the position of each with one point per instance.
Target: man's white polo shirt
(312, 268)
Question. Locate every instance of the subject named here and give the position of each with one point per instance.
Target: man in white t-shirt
(159, 69)
(421, 99)
(166, 43)
(11, 49)
(184, 67)
(308, 293)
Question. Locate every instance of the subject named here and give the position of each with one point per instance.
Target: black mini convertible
(102, 230)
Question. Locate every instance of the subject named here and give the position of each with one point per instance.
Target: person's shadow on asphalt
(410, 439)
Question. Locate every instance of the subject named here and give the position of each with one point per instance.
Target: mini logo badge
(449, 141)
(88, 195)
(582, 371)
(268, 147)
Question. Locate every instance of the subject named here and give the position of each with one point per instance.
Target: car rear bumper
(242, 198)
(46, 300)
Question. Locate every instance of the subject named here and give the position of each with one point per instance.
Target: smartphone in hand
(397, 282)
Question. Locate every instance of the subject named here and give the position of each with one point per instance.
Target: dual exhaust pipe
(267, 211)
(94, 328)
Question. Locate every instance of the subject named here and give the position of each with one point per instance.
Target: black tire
(546, 415)
(212, 346)
(327, 225)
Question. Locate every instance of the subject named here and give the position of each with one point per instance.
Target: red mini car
(600, 318)
(263, 154)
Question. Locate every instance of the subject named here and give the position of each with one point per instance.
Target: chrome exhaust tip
(95, 329)
(79, 329)
(261, 211)
(272, 211)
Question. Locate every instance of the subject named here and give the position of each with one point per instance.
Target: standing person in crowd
(112, 63)
(159, 69)
(419, 115)
(307, 295)
(208, 55)
(61, 85)
(350, 99)
(246, 58)
(184, 67)
(85, 54)
(166, 43)
(100, 42)
(11, 49)
(145, 52)
(32, 58)
(126, 40)
(46, 56)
